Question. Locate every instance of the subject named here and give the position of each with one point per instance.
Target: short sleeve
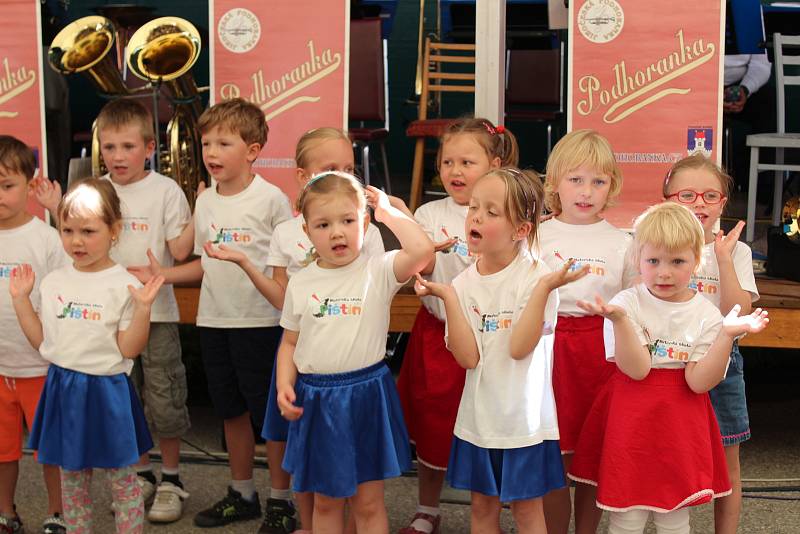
(743, 265)
(56, 255)
(373, 242)
(176, 212)
(276, 257)
(386, 262)
(627, 301)
(709, 331)
(282, 210)
(291, 315)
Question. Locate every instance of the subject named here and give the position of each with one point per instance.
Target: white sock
(144, 468)
(282, 494)
(169, 471)
(246, 487)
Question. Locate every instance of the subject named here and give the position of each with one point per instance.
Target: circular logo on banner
(239, 30)
(600, 21)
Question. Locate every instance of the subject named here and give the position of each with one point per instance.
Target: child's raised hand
(145, 273)
(48, 194)
(224, 253)
(735, 325)
(145, 295)
(21, 283)
(599, 307)
(286, 398)
(378, 201)
(724, 244)
(399, 203)
(565, 275)
(424, 288)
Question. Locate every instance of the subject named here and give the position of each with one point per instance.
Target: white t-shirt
(37, 244)
(442, 220)
(506, 403)
(600, 245)
(342, 314)
(291, 248)
(706, 280)
(674, 332)
(154, 211)
(245, 222)
(81, 314)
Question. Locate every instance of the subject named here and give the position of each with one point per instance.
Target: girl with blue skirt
(501, 312)
(346, 434)
(93, 318)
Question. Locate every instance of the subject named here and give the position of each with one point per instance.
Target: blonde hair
(668, 225)
(91, 197)
(311, 139)
(523, 202)
(236, 116)
(578, 148)
(496, 141)
(699, 161)
(124, 112)
(16, 157)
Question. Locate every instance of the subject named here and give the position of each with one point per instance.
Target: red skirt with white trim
(430, 387)
(580, 370)
(651, 444)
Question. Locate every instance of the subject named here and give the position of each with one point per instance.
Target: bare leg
(484, 514)
(278, 478)
(369, 509)
(305, 501)
(727, 509)
(430, 485)
(9, 471)
(52, 481)
(328, 515)
(170, 452)
(241, 446)
(529, 516)
(558, 504)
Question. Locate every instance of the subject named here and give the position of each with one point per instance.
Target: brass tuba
(85, 46)
(163, 51)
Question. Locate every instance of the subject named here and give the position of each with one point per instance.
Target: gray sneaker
(54, 524)
(168, 503)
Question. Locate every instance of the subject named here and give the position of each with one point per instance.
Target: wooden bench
(780, 297)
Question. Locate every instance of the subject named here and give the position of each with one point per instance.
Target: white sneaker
(168, 503)
(148, 491)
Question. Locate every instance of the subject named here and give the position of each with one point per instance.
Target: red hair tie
(500, 129)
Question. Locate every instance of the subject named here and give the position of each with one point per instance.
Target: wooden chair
(780, 140)
(437, 76)
(368, 103)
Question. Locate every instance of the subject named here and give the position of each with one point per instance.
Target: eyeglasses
(688, 196)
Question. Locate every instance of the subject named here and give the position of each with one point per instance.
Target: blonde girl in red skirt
(651, 442)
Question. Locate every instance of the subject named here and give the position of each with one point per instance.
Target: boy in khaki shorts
(156, 219)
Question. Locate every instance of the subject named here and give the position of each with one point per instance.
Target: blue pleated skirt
(511, 474)
(86, 421)
(276, 427)
(351, 432)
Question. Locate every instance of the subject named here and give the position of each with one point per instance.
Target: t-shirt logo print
(229, 235)
(459, 247)
(339, 306)
(73, 310)
(310, 253)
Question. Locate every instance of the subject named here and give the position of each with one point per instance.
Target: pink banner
(648, 76)
(290, 58)
(21, 90)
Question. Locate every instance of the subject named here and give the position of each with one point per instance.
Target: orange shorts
(18, 399)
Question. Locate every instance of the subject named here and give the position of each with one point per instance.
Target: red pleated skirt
(651, 444)
(580, 370)
(430, 386)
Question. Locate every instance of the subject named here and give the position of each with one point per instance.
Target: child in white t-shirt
(431, 381)
(582, 180)
(501, 314)
(155, 220)
(725, 278)
(651, 442)
(318, 150)
(346, 433)
(238, 328)
(24, 239)
(92, 321)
